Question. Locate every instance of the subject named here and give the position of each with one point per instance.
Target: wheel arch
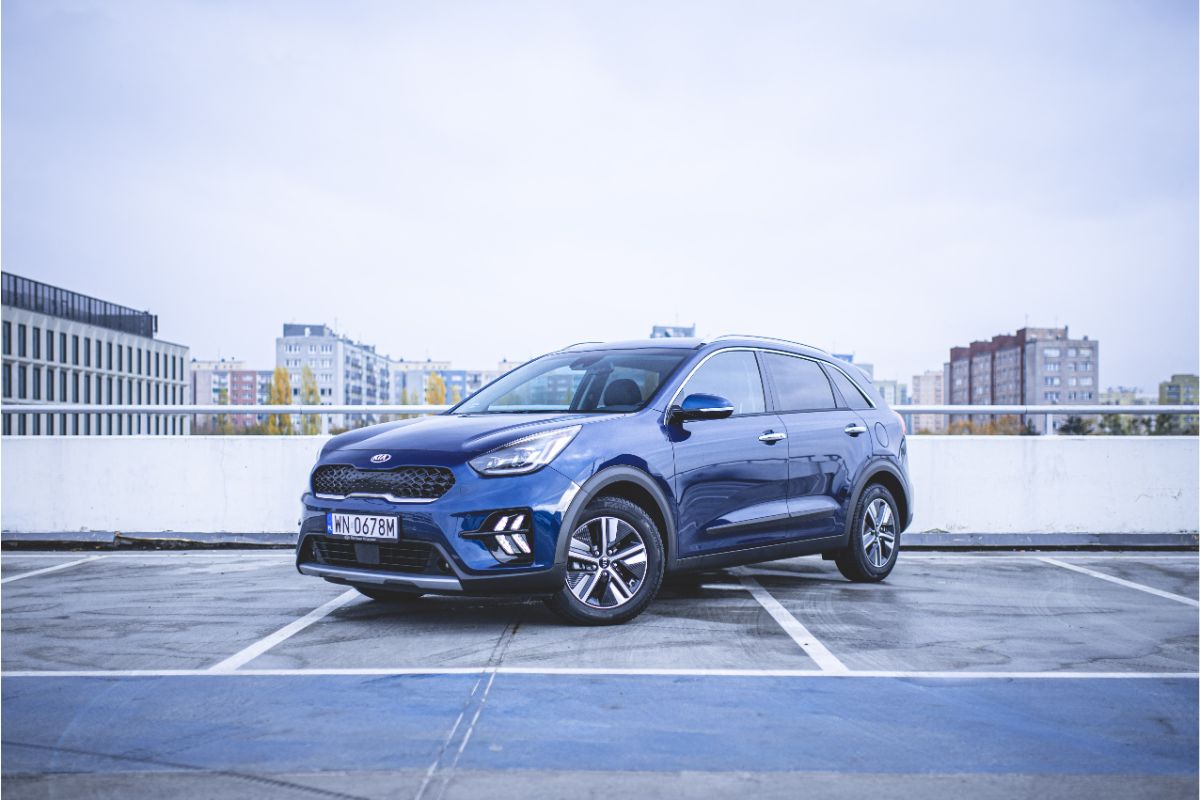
(631, 484)
(885, 474)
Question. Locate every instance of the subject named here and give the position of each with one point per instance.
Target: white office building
(61, 347)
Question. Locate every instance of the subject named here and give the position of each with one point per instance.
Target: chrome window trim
(391, 498)
(818, 361)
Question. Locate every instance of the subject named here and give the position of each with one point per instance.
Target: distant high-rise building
(229, 382)
(64, 347)
(1035, 367)
(673, 331)
(347, 372)
(1181, 390)
(927, 390)
(894, 392)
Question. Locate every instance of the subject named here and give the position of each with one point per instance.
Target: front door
(730, 474)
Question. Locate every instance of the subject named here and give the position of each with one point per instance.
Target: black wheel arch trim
(875, 467)
(594, 486)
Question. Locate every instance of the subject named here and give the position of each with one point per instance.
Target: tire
(388, 595)
(867, 558)
(600, 591)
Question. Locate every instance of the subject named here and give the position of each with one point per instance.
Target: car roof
(693, 343)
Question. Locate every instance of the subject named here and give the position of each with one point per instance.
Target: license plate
(362, 526)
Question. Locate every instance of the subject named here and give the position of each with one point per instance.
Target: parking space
(131, 674)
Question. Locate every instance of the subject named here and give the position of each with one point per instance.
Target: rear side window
(732, 375)
(800, 384)
(854, 398)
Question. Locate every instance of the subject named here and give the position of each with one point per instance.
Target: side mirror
(700, 406)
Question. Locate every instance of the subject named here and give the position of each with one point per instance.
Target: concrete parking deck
(227, 674)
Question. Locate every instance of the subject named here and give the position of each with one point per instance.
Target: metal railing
(327, 411)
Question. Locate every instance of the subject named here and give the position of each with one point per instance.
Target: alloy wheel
(606, 564)
(879, 533)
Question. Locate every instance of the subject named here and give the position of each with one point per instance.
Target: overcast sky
(481, 181)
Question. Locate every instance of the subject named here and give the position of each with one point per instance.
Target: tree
(1166, 425)
(435, 389)
(281, 395)
(1075, 426)
(455, 396)
(223, 427)
(310, 395)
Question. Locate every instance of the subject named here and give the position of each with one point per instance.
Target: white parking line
(1178, 598)
(289, 553)
(792, 626)
(595, 671)
(287, 631)
(54, 568)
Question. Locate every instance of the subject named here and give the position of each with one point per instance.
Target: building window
(7, 381)
(1053, 367)
(50, 349)
(109, 366)
(75, 350)
(50, 389)
(87, 352)
(62, 393)
(1085, 352)
(21, 331)
(1051, 352)
(87, 389)
(75, 391)
(62, 348)
(37, 342)
(108, 398)
(37, 383)
(128, 358)
(8, 338)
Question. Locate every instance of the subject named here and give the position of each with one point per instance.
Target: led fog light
(508, 535)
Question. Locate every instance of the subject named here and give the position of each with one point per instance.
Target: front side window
(578, 383)
(800, 384)
(733, 375)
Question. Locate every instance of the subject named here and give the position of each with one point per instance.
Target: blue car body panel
(722, 494)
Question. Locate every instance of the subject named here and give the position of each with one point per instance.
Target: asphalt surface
(227, 674)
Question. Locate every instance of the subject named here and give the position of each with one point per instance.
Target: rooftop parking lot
(227, 674)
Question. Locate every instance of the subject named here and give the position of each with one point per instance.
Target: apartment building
(1034, 366)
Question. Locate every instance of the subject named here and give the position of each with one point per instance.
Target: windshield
(578, 383)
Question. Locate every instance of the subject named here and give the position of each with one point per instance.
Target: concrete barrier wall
(252, 484)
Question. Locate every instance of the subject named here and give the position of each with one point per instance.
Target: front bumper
(437, 558)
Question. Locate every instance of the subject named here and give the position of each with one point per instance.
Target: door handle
(770, 437)
(854, 429)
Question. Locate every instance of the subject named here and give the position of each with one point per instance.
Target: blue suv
(586, 475)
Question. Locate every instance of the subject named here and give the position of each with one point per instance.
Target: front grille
(417, 483)
(398, 557)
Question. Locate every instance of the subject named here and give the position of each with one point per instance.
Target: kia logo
(380, 458)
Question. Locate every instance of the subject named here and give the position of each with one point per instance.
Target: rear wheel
(874, 538)
(388, 595)
(614, 565)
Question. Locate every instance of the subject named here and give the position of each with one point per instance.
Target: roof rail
(576, 344)
(770, 339)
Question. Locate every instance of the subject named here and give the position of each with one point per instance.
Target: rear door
(827, 444)
(730, 474)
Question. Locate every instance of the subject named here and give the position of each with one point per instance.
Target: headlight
(524, 455)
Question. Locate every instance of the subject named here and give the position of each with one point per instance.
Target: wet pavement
(227, 674)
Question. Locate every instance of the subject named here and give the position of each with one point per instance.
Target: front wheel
(874, 538)
(614, 565)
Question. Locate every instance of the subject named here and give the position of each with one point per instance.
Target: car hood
(445, 439)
